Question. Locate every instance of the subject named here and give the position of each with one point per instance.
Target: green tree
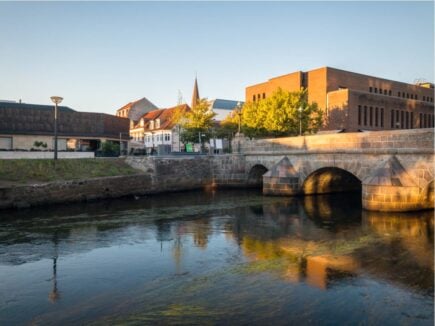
(280, 115)
(197, 123)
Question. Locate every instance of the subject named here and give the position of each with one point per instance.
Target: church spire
(195, 95)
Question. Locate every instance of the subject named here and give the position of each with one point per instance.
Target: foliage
(278, 115)
(110, 148)
(39, 144)
(198, 121)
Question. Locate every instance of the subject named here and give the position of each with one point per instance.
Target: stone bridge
(393, 169)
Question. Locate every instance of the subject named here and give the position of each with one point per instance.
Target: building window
(412, 120)
(407, 95)
(398, 94)
(376, 116)
(392, 119)
(424, 98)
(258, 97)
(421, 120)
(416, 96)
(402, 119)
(389, 92)
(380, 91)
(376, 90)
(370, 89)
(382, 117)
(365, 115)
(359, 115)
(264, 95)
(253, 98)
(397, 119)
(371, 116)
(385, 92)
(407, 120)
(425, 120)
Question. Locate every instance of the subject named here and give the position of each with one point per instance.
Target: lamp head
(56, 99)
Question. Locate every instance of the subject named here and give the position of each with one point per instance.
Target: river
(217, 257)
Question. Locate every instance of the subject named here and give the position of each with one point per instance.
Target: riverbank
(38, 182)
(31, 171)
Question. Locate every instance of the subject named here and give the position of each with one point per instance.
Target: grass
(24, 171)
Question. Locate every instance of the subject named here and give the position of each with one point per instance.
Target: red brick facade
(353, 101)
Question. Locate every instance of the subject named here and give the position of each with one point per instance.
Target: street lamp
(239, 113)
(56, 100)
(200, 142)
(300, 120)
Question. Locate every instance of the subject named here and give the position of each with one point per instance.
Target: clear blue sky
(100, 56)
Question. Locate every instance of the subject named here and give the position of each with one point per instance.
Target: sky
(101, 55)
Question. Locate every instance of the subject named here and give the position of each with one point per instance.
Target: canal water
(225, 257)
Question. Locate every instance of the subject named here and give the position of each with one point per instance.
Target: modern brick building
(355, 102)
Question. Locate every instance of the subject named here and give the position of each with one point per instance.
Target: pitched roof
(40, 107)
(165, 116)
(224, 104)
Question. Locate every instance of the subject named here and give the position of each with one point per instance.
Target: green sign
(189, 148)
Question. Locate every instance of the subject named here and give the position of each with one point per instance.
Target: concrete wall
(44, 155)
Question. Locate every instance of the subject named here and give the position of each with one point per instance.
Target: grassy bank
(25, 171)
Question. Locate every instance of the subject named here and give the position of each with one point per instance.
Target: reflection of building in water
(322, 269)
(415, 233)
(201, 230)
(295, 265)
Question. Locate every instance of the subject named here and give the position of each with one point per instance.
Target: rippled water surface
(226, 257)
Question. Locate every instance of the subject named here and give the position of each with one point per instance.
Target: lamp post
(56, 100)
(300, 120)
(239, 113)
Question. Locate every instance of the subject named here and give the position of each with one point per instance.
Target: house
(134, 110)
(26, 126)
(158, 128)
(223, 108)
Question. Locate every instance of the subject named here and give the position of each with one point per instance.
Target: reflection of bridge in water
(397, 247)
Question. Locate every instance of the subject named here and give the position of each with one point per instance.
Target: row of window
(428, 99)
(155, 124)
(381, 91)
(157, 138)
(401, 119)
(426, 120)
(399, 94)
(257, 97)
(370, 116)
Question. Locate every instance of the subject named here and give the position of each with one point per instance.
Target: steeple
(195, 95)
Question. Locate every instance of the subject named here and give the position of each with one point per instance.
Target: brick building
(354, 102)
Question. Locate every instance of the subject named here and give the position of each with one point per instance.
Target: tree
(280, 115)
(197, 123)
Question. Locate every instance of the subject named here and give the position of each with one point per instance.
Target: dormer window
(157, 123)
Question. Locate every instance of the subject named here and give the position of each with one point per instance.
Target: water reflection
(201, 249)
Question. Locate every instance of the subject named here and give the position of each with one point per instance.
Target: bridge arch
(255, 175)
(330, 180)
